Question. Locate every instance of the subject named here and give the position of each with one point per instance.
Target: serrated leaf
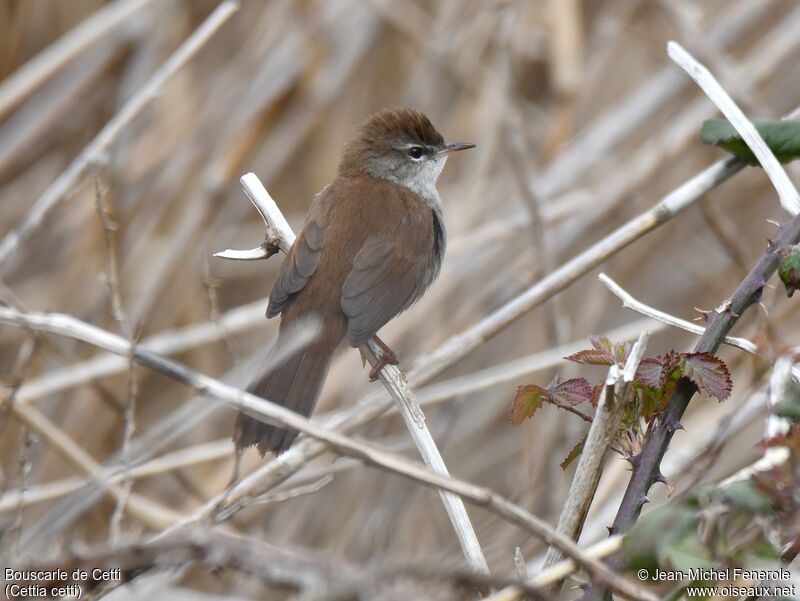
(622, 350)
(591, 357)
(604, 352)
(709, 373)
(571, 392)
(572, 456)
(526, 401)
(601, 343)
(782, 137)
(649, 372)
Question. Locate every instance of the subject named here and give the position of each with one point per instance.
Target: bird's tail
(294, 383)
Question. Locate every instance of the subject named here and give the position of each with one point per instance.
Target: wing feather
(381, 284)
(298, 267)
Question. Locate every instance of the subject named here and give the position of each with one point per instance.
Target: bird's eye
(415, 152)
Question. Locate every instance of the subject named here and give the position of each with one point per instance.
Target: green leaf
(744, 495)
(789, 408)
(655, 532)
(687, 553)
(789, 268)
(573, 455)
(782, 137)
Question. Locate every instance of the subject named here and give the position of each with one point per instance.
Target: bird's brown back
(357, 214)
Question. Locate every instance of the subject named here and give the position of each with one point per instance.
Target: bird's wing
(380, 285)
(298, 266)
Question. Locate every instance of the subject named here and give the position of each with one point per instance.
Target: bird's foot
(387, 357)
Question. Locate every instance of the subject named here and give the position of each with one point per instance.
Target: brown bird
(370, 247)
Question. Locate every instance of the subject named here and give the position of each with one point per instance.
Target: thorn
(704, 315)
(679, 427)
(775, 223)
(611, 530)
(764, 307)
(634, 460)
(660, 478)
(644, 500)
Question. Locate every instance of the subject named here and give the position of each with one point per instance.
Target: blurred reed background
(581, 122)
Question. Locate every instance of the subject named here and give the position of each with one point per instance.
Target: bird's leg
(387, 357)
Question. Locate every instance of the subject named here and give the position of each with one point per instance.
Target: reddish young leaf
(528, 399)
(571, 392)
(601, 343)
(591, 357)
(622, 350)
(709, 374)
(649, 372)
(656, 372)
(604, 352)
(596, 390)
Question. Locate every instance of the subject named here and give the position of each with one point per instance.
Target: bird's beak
(454, 147)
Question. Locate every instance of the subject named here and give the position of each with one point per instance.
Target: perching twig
(215, 451)
(280, 235)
